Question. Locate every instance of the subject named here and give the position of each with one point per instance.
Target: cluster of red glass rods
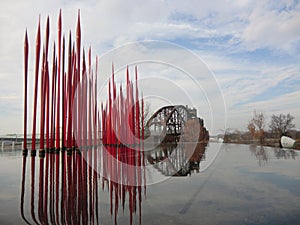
(69, 114)
(69, 119)
(57, 100)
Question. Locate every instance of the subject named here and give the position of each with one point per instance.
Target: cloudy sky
(250, 47)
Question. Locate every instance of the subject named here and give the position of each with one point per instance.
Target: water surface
(243, 185)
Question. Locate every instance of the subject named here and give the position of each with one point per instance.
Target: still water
(240, 185)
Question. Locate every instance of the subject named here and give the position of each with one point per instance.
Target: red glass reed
(95, 105)
(64, 115)
(53, 98)
(47, 98)
(78, 51)
(26, 49)
(69, 93)
(73, 104)
(37, 61)
(42, 106)
(57, 130)
(90, 106)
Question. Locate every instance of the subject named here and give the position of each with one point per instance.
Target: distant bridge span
(170, 120)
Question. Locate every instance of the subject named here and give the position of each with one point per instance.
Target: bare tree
(144, 118)
(227, 133)
(232, 135)
(251, 128)
(256, 126)
(259, 120)
(146, 113)
(280, 124)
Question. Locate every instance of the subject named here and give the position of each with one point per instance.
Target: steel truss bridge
(169, 121)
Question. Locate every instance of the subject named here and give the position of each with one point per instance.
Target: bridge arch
(170, 120)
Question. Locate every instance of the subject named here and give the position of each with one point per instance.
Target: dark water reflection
(64, 188)
(243, 185)
(177, 159)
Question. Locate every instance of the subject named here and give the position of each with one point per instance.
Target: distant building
(192, 112)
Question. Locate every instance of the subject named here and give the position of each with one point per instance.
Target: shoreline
(275, 143)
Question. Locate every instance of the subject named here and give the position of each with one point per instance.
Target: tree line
(259, 130)
(280, 125)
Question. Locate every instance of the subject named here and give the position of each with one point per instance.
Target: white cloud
(248, 25)
(287, 103)
(272, 28)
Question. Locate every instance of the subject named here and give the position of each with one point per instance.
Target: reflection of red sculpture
(69, 194)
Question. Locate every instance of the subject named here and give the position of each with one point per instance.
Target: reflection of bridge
(173, 156)
(177, 160)
(168, 122)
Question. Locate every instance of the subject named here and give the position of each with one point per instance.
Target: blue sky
(251, 47)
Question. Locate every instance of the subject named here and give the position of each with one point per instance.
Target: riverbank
(267, 142)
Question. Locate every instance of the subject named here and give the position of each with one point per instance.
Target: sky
(225, 58)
